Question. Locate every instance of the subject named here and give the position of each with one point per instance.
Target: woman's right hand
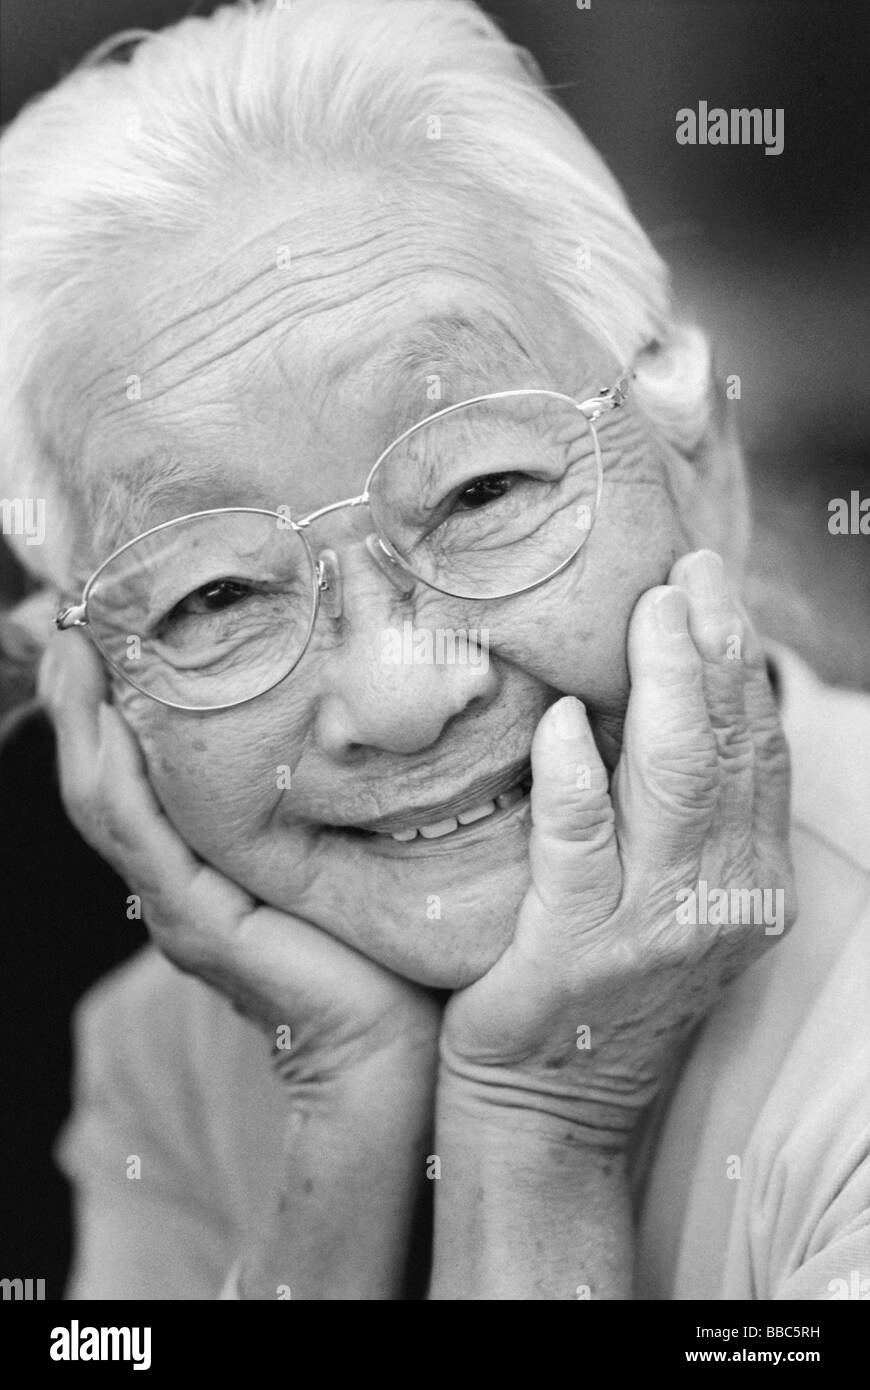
(328, 1010)
(356, 1045)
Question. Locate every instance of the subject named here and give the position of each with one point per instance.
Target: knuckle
(179, 950)
(575, 895)
(686, 783)
(682, 750)
(112, 834)
(679, 730)
(177, 935)
(158, 912)
(771, 746)
(167, 915)
(190, 948)
(679, 674)
(185, 931)
(575, 815)
(577, 871)
(734, 742)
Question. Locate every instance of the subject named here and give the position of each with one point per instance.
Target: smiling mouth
(452, 825)
(452, 819)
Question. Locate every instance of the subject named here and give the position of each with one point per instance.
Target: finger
(71, 686)
(573, 850)
(103, 780)
(717, 632)
(666, 784)
(202, 920)
(771, 809)
(182, 895)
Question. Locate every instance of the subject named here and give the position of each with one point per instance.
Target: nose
(389, 682)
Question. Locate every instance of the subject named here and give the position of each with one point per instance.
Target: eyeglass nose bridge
(327, 574)
(327, 569)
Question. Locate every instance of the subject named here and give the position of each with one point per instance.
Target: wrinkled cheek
(568, 637)
(215, 787)
(585, 614)
(571, 633)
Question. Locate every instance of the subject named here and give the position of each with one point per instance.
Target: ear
(711, 485)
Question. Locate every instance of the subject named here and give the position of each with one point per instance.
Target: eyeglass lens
(481, 502)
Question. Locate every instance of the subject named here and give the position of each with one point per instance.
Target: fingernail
(705, 575)
(671, 610)
(567, 718)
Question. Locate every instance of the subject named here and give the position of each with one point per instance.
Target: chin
(439, 913)
(461, 952)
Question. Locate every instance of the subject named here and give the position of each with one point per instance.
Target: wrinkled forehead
(272, 369)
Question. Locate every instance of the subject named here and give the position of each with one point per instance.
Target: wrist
(506, 1108)
(353, 1149)
(528, 1207)
(335, 1077)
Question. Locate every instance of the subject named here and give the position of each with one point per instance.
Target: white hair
(124, 148)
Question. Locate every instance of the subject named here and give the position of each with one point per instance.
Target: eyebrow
(444, 358)
(121, 504)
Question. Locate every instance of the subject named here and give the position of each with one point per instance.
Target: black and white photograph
(434, 661)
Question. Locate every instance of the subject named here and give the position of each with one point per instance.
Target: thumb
(573, 851)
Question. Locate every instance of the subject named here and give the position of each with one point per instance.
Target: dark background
(770, 253)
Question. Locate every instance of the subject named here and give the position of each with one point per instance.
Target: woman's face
(266, 384)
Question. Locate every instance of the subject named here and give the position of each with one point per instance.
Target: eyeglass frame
(609, 398)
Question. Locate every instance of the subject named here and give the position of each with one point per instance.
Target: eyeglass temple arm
(71, 616)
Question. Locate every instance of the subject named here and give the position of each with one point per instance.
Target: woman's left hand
(607, 970)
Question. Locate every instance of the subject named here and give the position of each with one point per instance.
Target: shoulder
(164, 1057)
(146, 1014)
(162, 1035)
(803, 1215)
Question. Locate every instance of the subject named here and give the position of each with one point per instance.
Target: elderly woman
(397, 530)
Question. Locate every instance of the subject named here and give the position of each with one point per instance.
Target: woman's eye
(484, 490)
(211, 598)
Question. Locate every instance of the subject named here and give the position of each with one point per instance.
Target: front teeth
(442, 827)
(476, 813)
(445, 827)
